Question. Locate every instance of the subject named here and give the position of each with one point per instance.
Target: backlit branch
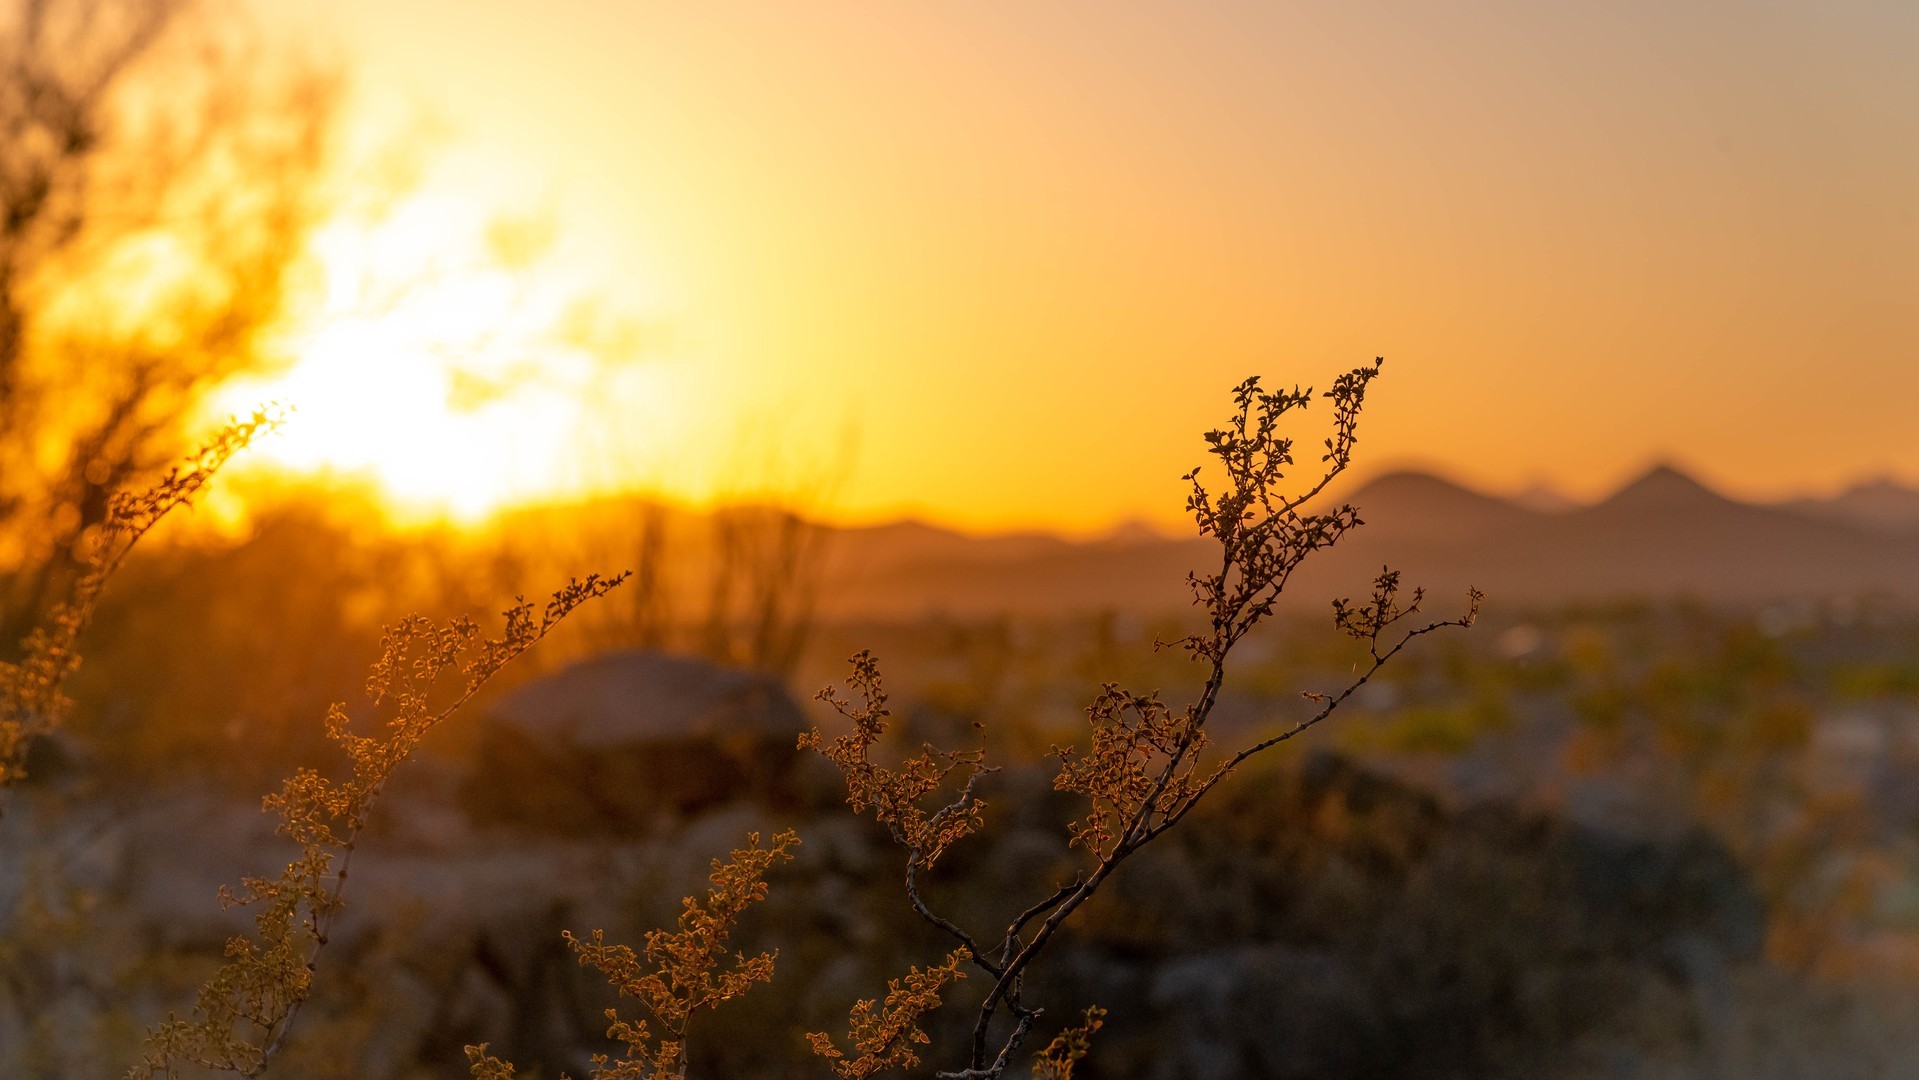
(1141, 772)
(245, 1012)
(33, 699)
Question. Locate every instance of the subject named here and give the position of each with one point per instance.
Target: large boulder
(629, 740)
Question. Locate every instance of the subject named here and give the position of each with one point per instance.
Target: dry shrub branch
(1145, 766)
(245, 1011)
(33, 699)
(884, 1034)
(682, 972)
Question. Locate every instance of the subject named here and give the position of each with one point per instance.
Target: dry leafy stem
(33, 699)
(1056, 1062)
(884, 1035)
(1142, 772)
(895, 795)
(683, 971)
(244, 1013)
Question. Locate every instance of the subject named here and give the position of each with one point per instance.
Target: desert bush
(738, 583)
(1145, 767)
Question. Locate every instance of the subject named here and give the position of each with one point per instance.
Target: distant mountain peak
(1404, 483)
(1135, 531)
(1542, 497)
(1664, 484)
(1877, 504)
(1881, 486)
(1432, 505)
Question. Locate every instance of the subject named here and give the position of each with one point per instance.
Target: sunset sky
(1006, 259)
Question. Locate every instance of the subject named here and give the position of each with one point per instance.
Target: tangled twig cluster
(1144, 768)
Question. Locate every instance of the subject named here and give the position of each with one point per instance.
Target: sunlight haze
(1021, 259)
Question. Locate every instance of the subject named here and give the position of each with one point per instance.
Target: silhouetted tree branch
(1142, 772)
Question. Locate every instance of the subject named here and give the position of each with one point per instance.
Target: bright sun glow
(449, 364)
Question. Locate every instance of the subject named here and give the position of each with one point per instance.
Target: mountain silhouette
(1662, 489)
(1663, 534)
(1544, 498)
(1438, 509)
(1880, 505)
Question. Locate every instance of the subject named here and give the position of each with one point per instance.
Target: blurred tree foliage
(156, 180)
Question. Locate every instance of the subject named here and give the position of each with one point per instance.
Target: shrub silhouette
(1144, 769)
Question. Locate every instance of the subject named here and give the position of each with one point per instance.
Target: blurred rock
(631, 740)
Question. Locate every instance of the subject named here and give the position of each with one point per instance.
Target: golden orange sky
(1022, 250)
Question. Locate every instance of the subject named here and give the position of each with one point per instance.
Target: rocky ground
(1317, 921)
